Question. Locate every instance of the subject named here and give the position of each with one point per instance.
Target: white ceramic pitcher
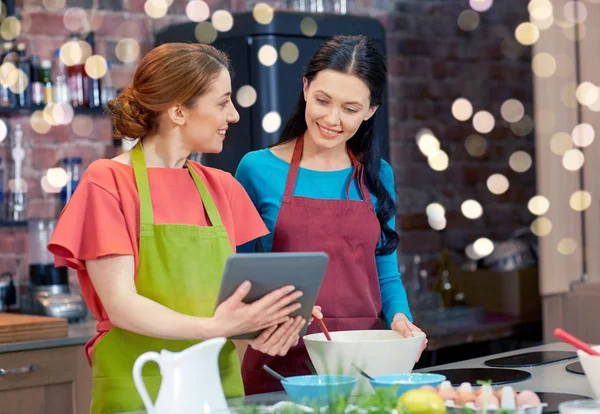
(191, 382)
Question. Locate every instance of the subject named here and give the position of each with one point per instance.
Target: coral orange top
(103, 217)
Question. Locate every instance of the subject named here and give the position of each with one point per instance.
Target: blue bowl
(318, 389)
(405, 382)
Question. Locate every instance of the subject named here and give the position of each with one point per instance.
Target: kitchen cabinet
(51, 380)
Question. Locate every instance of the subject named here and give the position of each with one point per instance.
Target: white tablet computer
(270, 271)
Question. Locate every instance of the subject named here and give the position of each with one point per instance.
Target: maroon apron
(349, 232)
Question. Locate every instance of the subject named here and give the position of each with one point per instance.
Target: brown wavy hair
(170, 74)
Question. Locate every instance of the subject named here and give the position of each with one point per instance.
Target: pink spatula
(576, 342)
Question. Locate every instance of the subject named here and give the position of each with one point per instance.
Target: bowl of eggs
(465, 398)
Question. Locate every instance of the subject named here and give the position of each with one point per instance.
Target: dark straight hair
(358, 56)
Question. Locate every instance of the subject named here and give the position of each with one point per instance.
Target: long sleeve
(244, 175)
(393, 293)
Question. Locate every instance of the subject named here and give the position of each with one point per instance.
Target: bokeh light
(520, 161)
(541, 226)
(476, 146)
(462, 109)
(580, 200)
(271, 122)
(497, 184)
(538, 205)
(471, 209)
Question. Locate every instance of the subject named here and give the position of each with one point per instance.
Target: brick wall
(431, 63)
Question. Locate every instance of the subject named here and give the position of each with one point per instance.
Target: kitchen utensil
(576, 342)
(591, 368)
(324, 329)
(363, 373)
(48, 291)
(318, 389)
(377, 352)
(273, 373)
(405, 382)
(191, 381)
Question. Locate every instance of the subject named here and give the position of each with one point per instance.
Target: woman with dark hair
(324, 187)
(149, 232)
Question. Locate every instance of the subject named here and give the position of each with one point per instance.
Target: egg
(448, 394)
(464, 397)
(465, 387)
(428, 388)
(465, 394)
(527, 397)
(488, 401)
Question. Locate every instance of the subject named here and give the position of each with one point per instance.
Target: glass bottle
(77, 80)
(72, 166)
(2, 174)
(47, 81)
(92, 85)
(17, 187)
(60, 81)
(37, 86)
(5, 93)
(22, 89)
(108, 90)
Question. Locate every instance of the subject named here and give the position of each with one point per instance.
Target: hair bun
(130, 119)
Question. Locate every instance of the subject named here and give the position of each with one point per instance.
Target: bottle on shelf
(92, 84)
(72, 166)
(17, 187)
(61, 85)
(5, 92)
(47, 82)
(2, 187)
(108, 90)
(21, 89)
(37, 85)
(77, 80)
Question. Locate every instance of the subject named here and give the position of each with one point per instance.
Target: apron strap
(141, 180)
(207, 201)
(359, 174)
(294, 166)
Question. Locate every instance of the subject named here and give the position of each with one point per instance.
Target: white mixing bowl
(376, 352)
(591, 367)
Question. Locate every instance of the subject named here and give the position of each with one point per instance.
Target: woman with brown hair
(149, 231)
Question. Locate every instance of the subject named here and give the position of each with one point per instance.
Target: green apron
(180, 266)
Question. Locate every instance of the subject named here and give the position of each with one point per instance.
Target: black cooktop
(498, 376)
(575, 368)
(553, 399)
(530, 359)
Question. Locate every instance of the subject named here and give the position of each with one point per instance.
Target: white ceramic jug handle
(139, 381)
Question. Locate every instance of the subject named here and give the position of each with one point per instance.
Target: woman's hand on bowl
(406, 328)
(278, 339)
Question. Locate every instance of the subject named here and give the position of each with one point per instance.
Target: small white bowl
(377, 352)
(591, 367)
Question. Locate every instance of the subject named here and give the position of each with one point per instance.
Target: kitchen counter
(78, 334)
(546, 378)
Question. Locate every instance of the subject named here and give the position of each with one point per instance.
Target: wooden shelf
(8, 111)
(12, 223)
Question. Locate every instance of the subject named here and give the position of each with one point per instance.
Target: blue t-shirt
(264, 175)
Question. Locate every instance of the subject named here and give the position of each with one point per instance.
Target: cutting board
(18, 328)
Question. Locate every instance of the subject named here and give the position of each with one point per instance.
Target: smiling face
(207, 120)
(336, 106)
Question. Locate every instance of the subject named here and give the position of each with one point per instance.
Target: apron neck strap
(143, 186)
(358, 171)
(141, 181)
(209, 205)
